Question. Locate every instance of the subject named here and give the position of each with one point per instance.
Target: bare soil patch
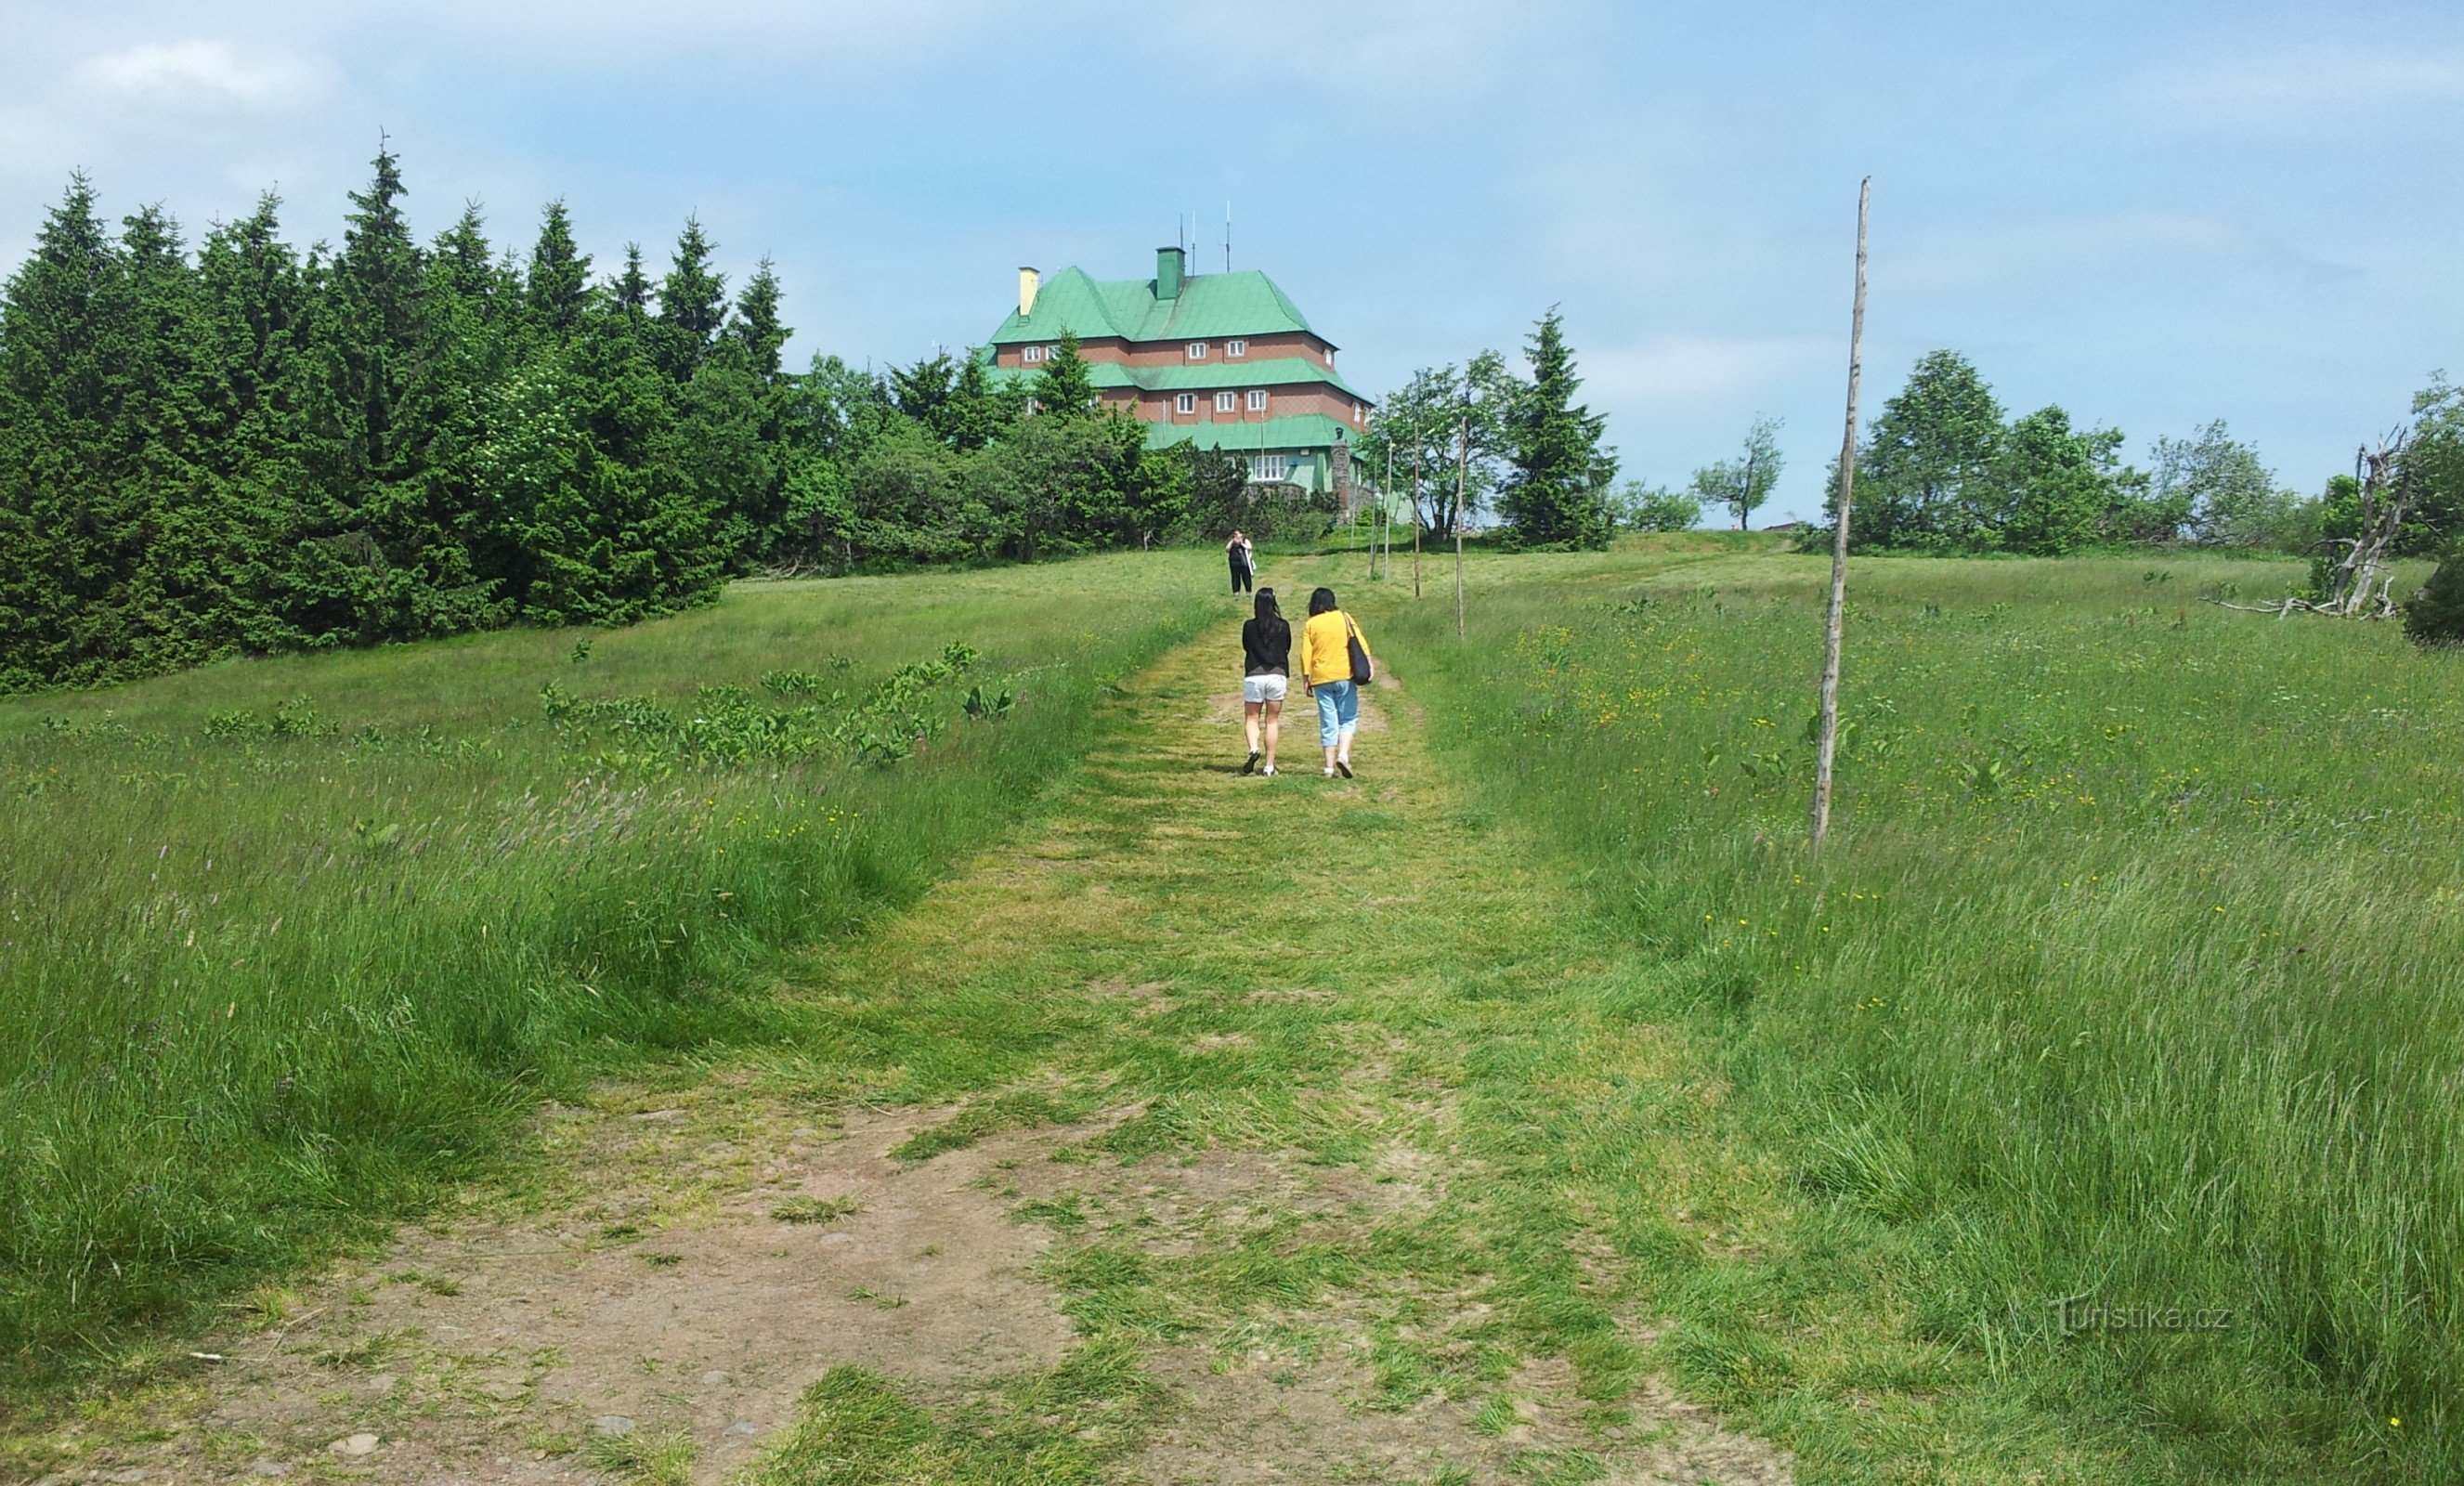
(489, 1352)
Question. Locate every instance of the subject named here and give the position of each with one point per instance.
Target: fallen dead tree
(2359, 584)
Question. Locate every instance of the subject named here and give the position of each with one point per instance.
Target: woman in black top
(1267, 666)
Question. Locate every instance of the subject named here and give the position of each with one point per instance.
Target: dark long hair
(1322, 601)
(1270, 622)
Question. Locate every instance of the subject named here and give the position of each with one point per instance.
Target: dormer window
(1258, 400)
(1196, 350)
(1034, 353)
(1236, 348)
(1224, 401)
(1186, 402)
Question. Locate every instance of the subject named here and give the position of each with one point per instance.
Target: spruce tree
(56, 485)
(973, 414)
(256, 369)
(756, 326)
(1066, 389)
(445, 530)
(370, 334)
(556, 283)
(1556, 490)
(630, 289)
(692, 304)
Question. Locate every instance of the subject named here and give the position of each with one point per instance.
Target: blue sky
(2155, 214)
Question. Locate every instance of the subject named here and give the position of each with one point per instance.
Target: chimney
(1167, 273)
(1028, 281)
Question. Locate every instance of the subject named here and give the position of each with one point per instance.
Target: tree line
(1944, 470)
(245, 448)
(1478, 438)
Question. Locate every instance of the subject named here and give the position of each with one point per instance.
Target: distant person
(1326, 671)
(1265, 671)
(1244, 563)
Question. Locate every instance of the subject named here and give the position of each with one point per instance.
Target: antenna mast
(1227, 234)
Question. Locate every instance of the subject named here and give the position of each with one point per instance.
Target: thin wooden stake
(1462, 477)
(1829, 722)
(1415, 510)
(1386, 516)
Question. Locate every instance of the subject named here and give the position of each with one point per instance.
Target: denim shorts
(1338, 712)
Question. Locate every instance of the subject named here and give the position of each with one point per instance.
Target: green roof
(1204, 376)
(1304, 430)
(1209, 307)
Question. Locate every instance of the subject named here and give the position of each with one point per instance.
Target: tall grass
(2131, 974)
(282, 944)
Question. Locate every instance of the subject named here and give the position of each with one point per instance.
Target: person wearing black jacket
(1267, 668)
(1244, 557)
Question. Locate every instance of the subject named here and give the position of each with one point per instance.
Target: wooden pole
(1829, 740)
(1463, 478)
(1382, 497)
(1415, 510)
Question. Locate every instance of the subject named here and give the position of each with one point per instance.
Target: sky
(2155, 214)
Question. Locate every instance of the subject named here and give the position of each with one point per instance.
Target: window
(1186, 402)
(1269, 467)
(1197, 350)
(1034, 353)
(1236, 348)
(1258, 401)
(1357, 412)
(1224, 401)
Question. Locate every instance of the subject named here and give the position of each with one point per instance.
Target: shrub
(2435, 614)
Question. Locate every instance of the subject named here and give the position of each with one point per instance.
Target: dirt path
(1197, 1135)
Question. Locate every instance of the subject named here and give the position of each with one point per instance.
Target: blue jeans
(1338, 712)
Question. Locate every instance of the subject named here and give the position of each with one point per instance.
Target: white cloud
(200, 76)
(1685, 371)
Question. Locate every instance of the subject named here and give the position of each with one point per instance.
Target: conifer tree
(1557, 491)
(692, 304)
(1066, 389)
(256, 366)
(756, 326)
(55, 417)
(973, 414)
(630, 289)
(556, 284)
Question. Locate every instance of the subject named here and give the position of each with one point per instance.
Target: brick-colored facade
(1224, 360)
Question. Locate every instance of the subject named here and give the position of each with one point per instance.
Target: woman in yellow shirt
(1326, 669)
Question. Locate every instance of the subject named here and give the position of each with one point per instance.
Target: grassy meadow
(2128, 980)
(284, 944)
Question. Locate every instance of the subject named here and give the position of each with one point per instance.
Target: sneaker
(1251, 766)
(1343, 764)
(1327, 773)
(1269, 770)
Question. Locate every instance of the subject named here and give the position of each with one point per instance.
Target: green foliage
(1650, 508)
(1924, 475)
(1066, 389)
(1744, 483)
(1420, 432)
(1942, 472)
(241, 450)
(1557, 492)
(2215, 490)
(2435, 614)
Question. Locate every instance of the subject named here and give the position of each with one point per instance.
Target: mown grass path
(1211, 1129)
